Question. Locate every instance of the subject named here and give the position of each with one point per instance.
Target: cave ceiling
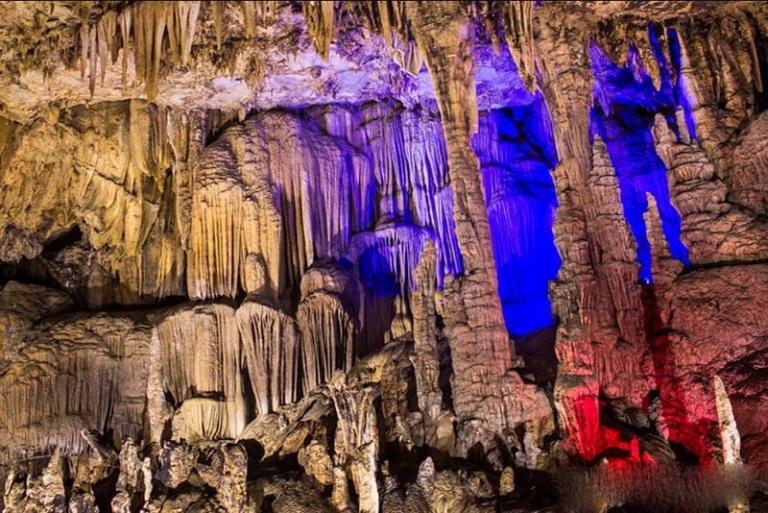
(273, 65)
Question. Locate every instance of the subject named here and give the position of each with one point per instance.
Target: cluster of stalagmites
(167, 409)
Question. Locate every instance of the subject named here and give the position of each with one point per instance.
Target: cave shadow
(690, 441)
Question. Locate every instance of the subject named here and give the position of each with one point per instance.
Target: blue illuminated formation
(667, 94)
(681, 95)
(517, 153)
(626, 103)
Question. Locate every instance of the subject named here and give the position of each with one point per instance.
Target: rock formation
(383, 256)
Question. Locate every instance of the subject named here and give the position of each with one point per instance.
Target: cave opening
(626, 103)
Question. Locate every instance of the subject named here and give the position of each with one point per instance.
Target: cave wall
(566, 271)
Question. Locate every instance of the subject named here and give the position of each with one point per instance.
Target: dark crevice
(445, 366)
(66, 239)
(761, 48)
(694, 267)
(538, 352)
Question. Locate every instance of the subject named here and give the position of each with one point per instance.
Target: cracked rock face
(383, 256)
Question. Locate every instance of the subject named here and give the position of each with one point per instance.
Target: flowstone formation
(338, 256)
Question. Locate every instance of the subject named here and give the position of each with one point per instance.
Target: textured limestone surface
(383, 256)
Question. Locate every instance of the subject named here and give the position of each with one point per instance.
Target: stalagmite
(356, 442)
(426, 359)
(730, 439)
(386, 260)
(340, 494)
(317, 463)
(47, 492)
(90, 467)
(479, 330)
(130, 484)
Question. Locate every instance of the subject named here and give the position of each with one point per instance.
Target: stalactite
(200, 419)
(201, 355)
(158, 412)
(66, 380)
(143, 28)
(93, 58)
(249, 17)
(150, 19)
(107, 28)
(216, 252)
(218, 21)
(84, 39)
(515, 147)
(719, 73)
(186, 137)
(276, 175)
(648, 60)
(321, 24)
(519, 37)
(182, 23)
(258, 14)
(408, 173)
(125, 19)
(20, 306)
(748, 183)
(328, 334)
(427, 164)
(385, 138)
(614, 37)
(373, 222)
(270, 345)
